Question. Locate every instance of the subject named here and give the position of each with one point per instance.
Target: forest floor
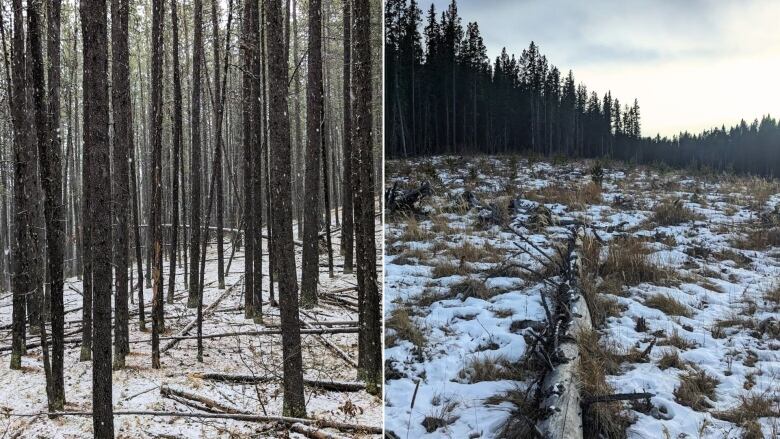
(680, 271)
(138, 386)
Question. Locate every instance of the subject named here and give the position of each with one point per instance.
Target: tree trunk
(258, 134)
(177, 128)
(314, 96)
(155, 220)
(123, 138)
(248, 90)
(195, 164)
(294, 403)
(95, 86)
(347, 227)
(218, 111)
(23, 258)
(369, 313)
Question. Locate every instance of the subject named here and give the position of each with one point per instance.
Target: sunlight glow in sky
(693, 64)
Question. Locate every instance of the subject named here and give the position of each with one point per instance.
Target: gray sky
(693, 64)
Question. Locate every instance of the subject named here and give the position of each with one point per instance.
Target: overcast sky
(693, 64)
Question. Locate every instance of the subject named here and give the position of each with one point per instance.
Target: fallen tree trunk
(315, 331)
(330, 345)
(175, 340)
(340, 386)
(314, 433)
(239, 417)
(210, 404)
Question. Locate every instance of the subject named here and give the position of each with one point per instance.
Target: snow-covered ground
(459, 311)
(137, 387)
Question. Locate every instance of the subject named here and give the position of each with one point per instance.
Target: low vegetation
(668, 305)
(487, 367)
(404, 328)
(696, 389)
(672, 213)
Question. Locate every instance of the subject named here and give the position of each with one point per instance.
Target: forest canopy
(445, 96)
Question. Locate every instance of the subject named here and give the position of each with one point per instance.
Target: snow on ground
(137, 387)
(459, 349)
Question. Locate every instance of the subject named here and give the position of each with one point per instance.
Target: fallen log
(314, 433)
(174, 341)
(239, 417)
(330, 345)
(316, 331)
(339, 386)
(212, 405)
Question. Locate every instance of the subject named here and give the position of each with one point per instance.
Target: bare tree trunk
(294, 403)
(258, 134)
(347, 227)
(177, 128)
(314, 97)
(51, 167)
(195, 163)
(94, 29)
(218, 111)
(123, 138)
(248, 90)
(155, 220)
(370, 368)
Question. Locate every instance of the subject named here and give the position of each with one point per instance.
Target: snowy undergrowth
(688, 262)
(137, 387)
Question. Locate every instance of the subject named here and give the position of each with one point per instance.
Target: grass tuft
(672, 213)
(488, 367)
(695, 388)
(668, 305)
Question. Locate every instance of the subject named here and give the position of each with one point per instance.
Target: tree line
(444, 96)
(165, 151)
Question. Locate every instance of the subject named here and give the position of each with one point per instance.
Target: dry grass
(447, 269)
(470, 288)
(668, 305)
(672, 213)
(413, 231)
(695, 388)
(750, 409)
(486, 367)
(628, 260)
(471, 253)
(405, 328)
(441, 416)
(575, 197)
(677, 341)
(596, 361)
(758, 239)
(671, 358)
(521, 424)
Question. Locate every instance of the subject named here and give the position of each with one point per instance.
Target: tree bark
(218, 112)
(123, 138)
(95, 86)
(314, 95)
(155, 220)
(23, 258)
(294, 403)
(177, 129)
(370, 317)
(248, 51)
(195, 163)
(347, 227)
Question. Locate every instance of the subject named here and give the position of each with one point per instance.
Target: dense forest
(135, 136)
(443, 95)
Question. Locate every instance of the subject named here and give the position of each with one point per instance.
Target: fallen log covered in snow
(340, 386)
